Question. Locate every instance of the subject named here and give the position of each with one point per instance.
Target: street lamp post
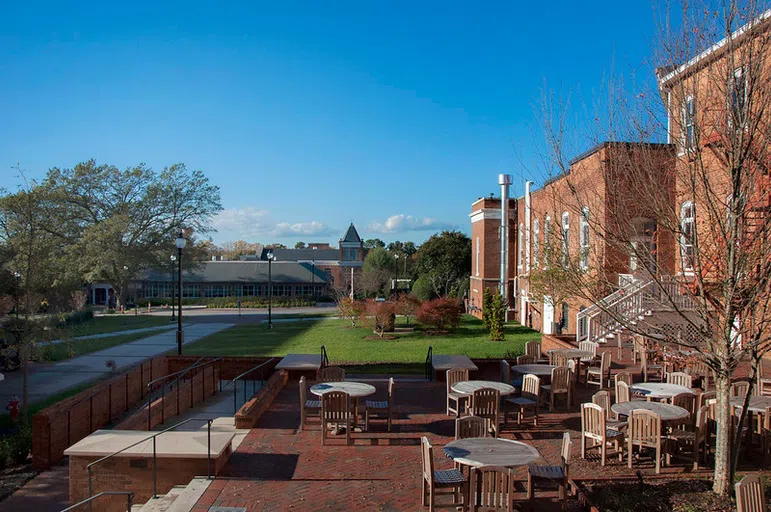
(396, 284)
(180, 242)
(313, 278)
(270, 291)
(173, 290)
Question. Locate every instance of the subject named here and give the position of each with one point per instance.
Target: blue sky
(309, 115)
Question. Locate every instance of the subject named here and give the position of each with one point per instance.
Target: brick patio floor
(278, 467)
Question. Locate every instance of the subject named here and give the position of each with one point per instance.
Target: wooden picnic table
(539, 370)
(659, 390)
(354, 389)
(667, 412)
(489, 451)
(467, 387)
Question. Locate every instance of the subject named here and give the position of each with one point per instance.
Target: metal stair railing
(234, 381)
(155, 468)
(129, 500)
(429, 364)
(324, 357)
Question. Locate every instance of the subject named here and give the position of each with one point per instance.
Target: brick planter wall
(251, 411)
(57, 427)
(551, 342)
(231, 366)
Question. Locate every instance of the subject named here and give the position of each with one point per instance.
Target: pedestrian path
(46, 380)
(111, 334)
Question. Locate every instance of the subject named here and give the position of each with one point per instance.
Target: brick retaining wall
(251, 411)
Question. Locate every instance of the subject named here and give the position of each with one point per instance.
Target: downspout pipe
(504, 180)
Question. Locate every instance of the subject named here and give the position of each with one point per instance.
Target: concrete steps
(181, 498)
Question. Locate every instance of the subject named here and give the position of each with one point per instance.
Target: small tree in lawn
(442, 314)
(378, 316)
(487, 303)
(408, 306)
(496, 318)
(350, 309)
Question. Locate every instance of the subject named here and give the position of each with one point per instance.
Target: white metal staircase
(636, 301)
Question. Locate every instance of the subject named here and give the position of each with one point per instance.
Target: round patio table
(354, 389)
(574, 353)
(757, 404)
(659, 390)
(540, 370)
(467, 387)
(666, 411)
(489, 451)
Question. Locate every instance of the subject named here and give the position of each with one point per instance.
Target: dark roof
(306, 254)
(245, 272)
(597, 147)
(351, 235)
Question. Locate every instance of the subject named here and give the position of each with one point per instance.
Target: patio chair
(538, 474)
(602, 398)
(455, 375)
(652, 372)
(622, 392)
(525, 359)
(336, 409)
(624, 377)
(700, 370)
(471, 426)
(485, 403)
(596, 376)
(533, 348)
(445, 481)
(703, 398)
(625, 342)
(690, 440)
(528, 401)
(496, 489)
(506, 376)
(765, 436)
(740, 388)
(313, 406)
(332, 374)
(592, 347)
(680, 378)
(750, 495)
(558, 359)
(644, 431)
(764, 382)
(688, 402)
(561, 384)
(594, 428)
(380, 407)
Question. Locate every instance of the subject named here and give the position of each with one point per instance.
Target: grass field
(348, 345)
(73, 348)
(112, 323)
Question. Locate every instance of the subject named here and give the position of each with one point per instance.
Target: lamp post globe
(396, 282)
(180, 242)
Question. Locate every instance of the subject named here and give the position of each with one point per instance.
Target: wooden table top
(467, 387)
(489, 451)
(659, 389)
(541, 370)
(442, 362)
(354, 389)
(574, 353)
(757, 403)
(666, 411)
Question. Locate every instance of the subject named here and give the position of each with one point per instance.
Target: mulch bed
(14, 478)
(659, 496)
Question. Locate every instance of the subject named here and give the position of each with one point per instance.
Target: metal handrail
(151, 397)
(153, 437)
(247, 372)
(129, 499)
(429, 363)
(324, 358)
(184, 370)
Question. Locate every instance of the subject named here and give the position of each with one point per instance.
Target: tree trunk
(722, 476)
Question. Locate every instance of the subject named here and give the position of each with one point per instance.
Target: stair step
(190, 496)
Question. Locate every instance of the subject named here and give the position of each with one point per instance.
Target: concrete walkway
(49, 379)
(111, 334)
(47, 492)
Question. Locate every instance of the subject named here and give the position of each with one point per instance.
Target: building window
(689, 121)
(687, 232)
(546, 241)
(536, 241)
(351, 254)
(565, 239)
(737, 90)
(520, 245)
(476, 264)
(583, 236)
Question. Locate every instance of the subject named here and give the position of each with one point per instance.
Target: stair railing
(129, 500)
(429, 364)
(240, 377)
(324, 357)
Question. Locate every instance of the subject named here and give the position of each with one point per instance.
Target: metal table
(667, 412)
(659, 390)
(489, 451)
(354, 389)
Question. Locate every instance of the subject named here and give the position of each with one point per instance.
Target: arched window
(583, 236)
(536, 242)
(520, 246)
(565, 239)
(687, 232)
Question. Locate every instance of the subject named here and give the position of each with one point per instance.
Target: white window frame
(547, 241)
(739, 73)
(688, 120)
(583, 238)
(520, 246)
(685, 244)
(536, 242)
(565, 239)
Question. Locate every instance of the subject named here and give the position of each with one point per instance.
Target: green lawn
(347, 345)
(74, 348)
(112, 323)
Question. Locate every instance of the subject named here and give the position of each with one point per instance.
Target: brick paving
(278, 467)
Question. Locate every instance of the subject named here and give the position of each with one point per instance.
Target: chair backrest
(471, 426)
(558, 359)
(455, 375)
(427, 456)
(623, 377)
(704, 397)
(485, 403)
(533, 348)
(702, 415)
(740, 388)
(680, 378)
(531, 387)
(622, 392)
(496, 489)
(589, 346)
(593, 421)
(605, 362)
(303, 392)
(332, 374)
(644, 427)
(335, 406)
(505, 371)
(560, 379)
(685, 400)
(525, 359)
(750, 496)
(565, 452)
(390, 390)
(602, 398)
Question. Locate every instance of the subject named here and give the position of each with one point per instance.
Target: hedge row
(232, 302)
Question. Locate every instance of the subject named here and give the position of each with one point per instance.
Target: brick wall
(251, 411)
(231, 367)
(57, 427)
